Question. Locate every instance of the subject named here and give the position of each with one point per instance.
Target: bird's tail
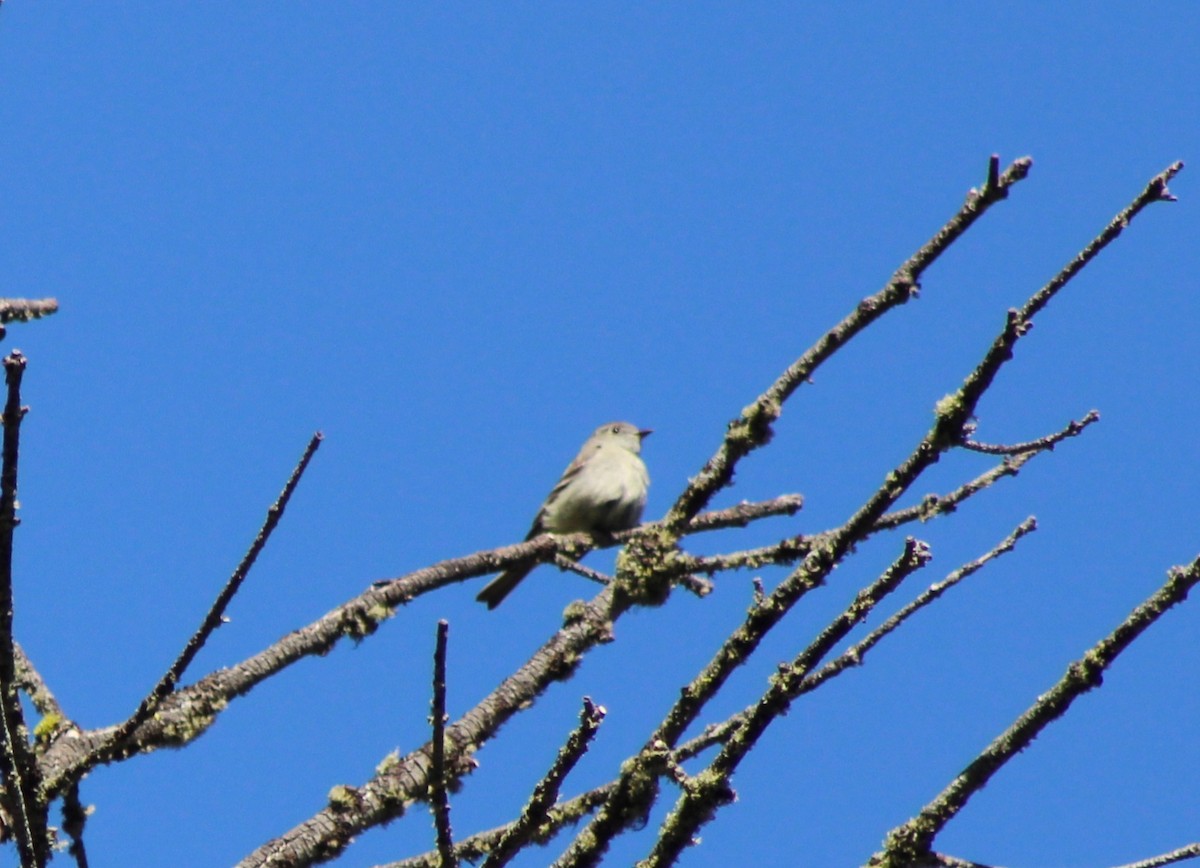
(500, 587)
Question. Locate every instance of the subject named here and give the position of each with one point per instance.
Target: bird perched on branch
(601, 491)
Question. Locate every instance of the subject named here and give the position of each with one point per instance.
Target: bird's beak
(645, 432)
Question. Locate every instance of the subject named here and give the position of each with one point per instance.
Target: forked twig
(933, 505)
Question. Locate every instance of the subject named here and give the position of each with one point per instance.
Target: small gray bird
(602, 490)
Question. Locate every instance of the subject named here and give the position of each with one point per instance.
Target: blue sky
(456, 238)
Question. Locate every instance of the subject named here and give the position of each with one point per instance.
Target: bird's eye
(616, 429)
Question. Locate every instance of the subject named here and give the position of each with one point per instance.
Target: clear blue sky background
(455, 238)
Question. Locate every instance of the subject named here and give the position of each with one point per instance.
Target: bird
(601, 491)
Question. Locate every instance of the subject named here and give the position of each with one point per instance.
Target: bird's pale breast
(608, 494)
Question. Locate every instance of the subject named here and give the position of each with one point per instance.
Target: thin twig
(545, 794)
(1155, 191)
(854, 655)
(699, 586)
(212, 620)
(746, 512)
(1073, 429)
(934, 505)
(439, 800)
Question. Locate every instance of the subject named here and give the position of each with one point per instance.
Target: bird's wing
(573, 470)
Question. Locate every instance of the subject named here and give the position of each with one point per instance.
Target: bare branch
(1073, 429)
(1191, 851)
(915, 838)
(952, 415)
(719, 733)
(116, 741)
(753, 428)
(854, 655)
(745, 512)
(786, 551)
(545, 794)
(475, 847)
(933, 505)
(395, 784)
(22, 781)
(706, 793)
(1155, 191)
(188, 712)
(571, 566)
